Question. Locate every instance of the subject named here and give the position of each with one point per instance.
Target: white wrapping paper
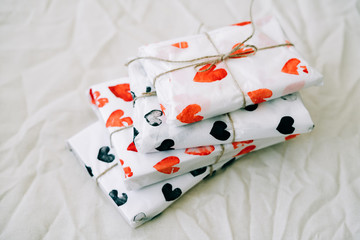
(278, 117)
(189, 96)
(137, 207)
(113, 101)
(91, 147)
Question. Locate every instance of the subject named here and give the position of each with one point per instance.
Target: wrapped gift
(113, 101)
(91, 147)
(265, 67)
(279, 117)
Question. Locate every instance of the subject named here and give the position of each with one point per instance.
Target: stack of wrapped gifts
(189, 107)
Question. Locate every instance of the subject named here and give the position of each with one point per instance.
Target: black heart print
(104, 155)
(133, 97)
(118, 200)
(167, 144)
(148, 89)
(153, 117)
(218, 131)
(89, 170)
(251, 107)
(169, 193)
(136, 132)
(285, 125)
(198, 171)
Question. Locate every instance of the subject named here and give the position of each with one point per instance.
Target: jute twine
(104, 172)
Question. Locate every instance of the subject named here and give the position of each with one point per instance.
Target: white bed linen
(52, 51)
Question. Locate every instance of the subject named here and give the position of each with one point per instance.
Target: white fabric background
(51, 51)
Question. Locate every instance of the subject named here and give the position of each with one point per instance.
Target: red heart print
(188, 114)
(166, 165)
(243, 51)
(201, 151)
(291, 136)
(180, 45)
(102, 102)
(242, 143)
(241, 23)
(210, 75)
(121, 162)
(128, 172)
(115, 119)
(304, 69)
(246, 150)
(162, 109)
(258, 96)
(132, 147)
(99, 102)
(92, 97)
(291, 67)
(122, 91)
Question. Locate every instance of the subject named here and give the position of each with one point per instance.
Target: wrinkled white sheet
(52, 51)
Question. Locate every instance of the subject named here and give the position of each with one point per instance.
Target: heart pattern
(167, 165)
(242, 143)
(99, 102)
(210, 75)
(166, 145)
(104, 155)
(285, 125)
(162, 108)
(89, 170)
(198, 171)
(169, 193)
(122, 91)
(219, 131)
(128, 172)
(291, 67)
(170, 166)
(200, 151)
(136, 132)
(119, 201)
(258, 96)
(291, 136)
(246, 150)
(242, 50)
(132, 147)
(251, 107)
(188, 114)
(115, 119)
(153, 117)
(241, 23)
(133, 96)
(180, 45)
